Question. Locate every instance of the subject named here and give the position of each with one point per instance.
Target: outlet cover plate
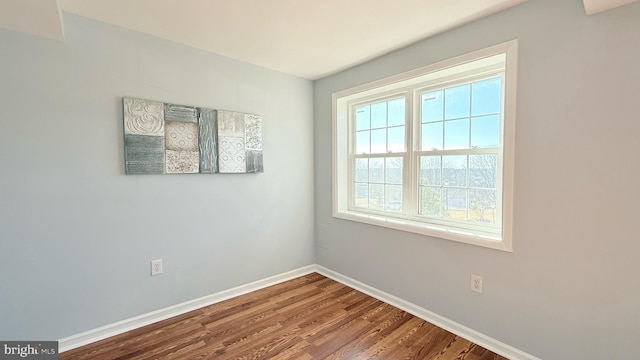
(156, 267)
(476, 283)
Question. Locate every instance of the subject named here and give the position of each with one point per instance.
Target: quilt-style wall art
(163, 138)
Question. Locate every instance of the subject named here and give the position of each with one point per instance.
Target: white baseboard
(120, 327)
(486, 342)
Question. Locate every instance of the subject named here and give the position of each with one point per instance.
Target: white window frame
(468, 66)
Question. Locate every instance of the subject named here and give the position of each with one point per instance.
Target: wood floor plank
(297, 351)
(377, 332)
(306, 318)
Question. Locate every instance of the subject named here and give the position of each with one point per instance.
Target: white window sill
(487, 240)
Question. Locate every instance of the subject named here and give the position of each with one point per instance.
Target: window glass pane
(362, 142)
(396, 112)
(361, 197)
(393, 198)
(430, 170)
(376, 196)
(430, 201)
(379, 141)
(482, 206)
(485, 131)
(396, 139)
(379, 115)
(432, 136)
(457, 101)
(361, 171)
(362, 117)
(483, 170)
(376, 170)
(455, 203)
(485, 97)
(454, 170)
(432, 106)
(393, 170)
(456, 134)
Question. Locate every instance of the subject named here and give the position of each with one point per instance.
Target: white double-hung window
(430, 151)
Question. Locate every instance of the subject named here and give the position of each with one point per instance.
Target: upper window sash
(354, 128)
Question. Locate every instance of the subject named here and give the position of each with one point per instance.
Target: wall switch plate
(156, 267)
(476, 283)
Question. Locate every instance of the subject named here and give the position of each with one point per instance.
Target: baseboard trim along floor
(486, 342)
(123, 326)
(120, 327)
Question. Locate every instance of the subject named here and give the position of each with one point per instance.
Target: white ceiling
(36, 17)
(595, 6)
(306, 38)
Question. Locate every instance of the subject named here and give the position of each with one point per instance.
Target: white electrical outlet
(476, 283)
(156, 267)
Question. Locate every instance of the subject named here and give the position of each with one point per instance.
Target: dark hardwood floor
(310, 317)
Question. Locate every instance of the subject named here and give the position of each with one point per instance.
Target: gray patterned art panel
(232, 155)
(254, 161)
(182, 162)
(143, 154)
(230, 123)
(208, 134)
(143, 117)
(253, 131)
(181, 136)
(163, 138)
(173, 112)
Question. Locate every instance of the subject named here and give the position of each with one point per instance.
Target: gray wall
(77, 235)
(570, 289)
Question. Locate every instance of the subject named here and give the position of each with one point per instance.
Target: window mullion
(467, 180)
(409, 192)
